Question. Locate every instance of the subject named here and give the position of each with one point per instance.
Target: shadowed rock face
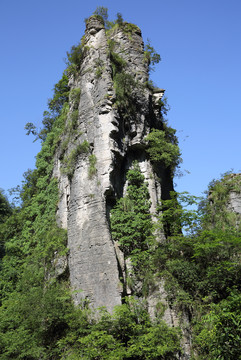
(115, 140)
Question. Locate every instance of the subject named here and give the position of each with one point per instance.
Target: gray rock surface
(235, 202)
(115, 140)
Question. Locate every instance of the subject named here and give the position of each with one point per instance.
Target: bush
(74, 97)
(162, 148)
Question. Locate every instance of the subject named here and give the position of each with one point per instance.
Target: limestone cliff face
(115, 138)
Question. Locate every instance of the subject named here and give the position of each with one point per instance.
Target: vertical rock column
(93, 265)
(116, 137)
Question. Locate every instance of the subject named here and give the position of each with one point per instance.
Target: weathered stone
(96, 264)
(60, 265)
(234, 201)
(97, 267)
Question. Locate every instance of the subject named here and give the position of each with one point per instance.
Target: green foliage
(31, 235)
(99, 72)
(74, 97)
(61, 95)
(74, 59)
(48, 121)
(34, 318)
(119, 19)
(38, 319)
(204, 265)
(5, 208)
(132, 228)
(74, 119)
(70, 131)
(151, 57)
(131, 224)
(102, 14)
(29, 186)
(163, 109)
(29, 226)
(56, 106)
(44, 160)
(129, 29)
(31, 129)
(218, 335)
(163, 148)
(34, 311)
(117, 62)
(201, 269)
(127, 334)
(125, 86)
(92, 168)
(5, 211)
(176, 215)
(70, 160)
(124, 83)
(217, 214)
(144, 339)
(100, 68)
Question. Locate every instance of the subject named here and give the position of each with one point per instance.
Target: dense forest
(198, 259)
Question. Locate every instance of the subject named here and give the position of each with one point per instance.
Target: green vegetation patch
(132, 228)
(163, 148)
(201, 267)
(69, 160)
(74, 97)
(92, 168)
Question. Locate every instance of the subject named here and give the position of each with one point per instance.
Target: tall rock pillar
(107, 137)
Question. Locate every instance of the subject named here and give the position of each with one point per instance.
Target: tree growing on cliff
(151, 57)
(55, 106)
(102, 12)
(131, 223)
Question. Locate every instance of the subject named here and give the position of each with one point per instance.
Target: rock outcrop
(112, 110)
(114, 136)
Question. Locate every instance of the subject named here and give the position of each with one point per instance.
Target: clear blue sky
(199, 43)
